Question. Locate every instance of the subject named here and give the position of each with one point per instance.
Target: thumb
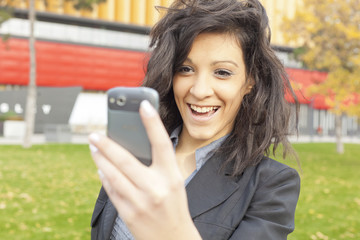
(161, 146)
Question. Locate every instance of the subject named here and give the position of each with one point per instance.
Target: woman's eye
(222, 73)
(185, 70)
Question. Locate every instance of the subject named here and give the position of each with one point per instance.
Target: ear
(249, 86)
(248, 89)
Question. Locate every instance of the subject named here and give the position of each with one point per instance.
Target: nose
(202, 87)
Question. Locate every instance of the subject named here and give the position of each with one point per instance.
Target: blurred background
(71, 52)
(89, 47)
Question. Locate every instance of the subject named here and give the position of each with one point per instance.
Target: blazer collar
(110, 214)
(209, 187)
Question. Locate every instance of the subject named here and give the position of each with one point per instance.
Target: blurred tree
(30, 110)
(6, 11)
(85, 4)
(328, 35)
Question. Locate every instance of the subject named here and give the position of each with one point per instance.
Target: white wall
(89, 113)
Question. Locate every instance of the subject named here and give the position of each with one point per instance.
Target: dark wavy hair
(264, 115)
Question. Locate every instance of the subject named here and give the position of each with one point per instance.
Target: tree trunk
(30, 111)
(338, 131)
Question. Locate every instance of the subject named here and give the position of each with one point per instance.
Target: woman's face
(209, 87)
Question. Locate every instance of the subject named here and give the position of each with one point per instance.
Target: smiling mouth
(197, 110)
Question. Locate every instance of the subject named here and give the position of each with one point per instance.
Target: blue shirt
(120, 231)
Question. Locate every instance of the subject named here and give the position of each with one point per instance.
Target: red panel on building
(301, 79)
(99, 68)
(60, 64)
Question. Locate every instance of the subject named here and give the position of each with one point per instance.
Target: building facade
(107, 47)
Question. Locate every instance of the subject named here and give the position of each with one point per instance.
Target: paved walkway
(309, 139)
(83, 139)
(40, 139)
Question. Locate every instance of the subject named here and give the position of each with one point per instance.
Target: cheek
(235, 104)
(231, 93)
(178, 91)
(180, 87)
(176, 87)
(233, 100)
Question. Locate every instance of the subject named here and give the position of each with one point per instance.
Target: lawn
(329, 204)
(48, 192)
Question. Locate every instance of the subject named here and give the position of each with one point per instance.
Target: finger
(161, 146)
(127, 199)
(122, 159)
(123, 206)
(117, 183)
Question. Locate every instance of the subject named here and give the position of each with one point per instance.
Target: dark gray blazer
(258, 205)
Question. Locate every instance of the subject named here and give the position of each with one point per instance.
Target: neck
(187, 144)
(185, 153)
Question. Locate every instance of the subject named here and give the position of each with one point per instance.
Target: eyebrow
(216, 62)
(225, 61)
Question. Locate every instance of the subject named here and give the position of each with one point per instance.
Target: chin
(203, 136)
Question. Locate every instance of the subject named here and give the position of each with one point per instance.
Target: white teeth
(203, 109)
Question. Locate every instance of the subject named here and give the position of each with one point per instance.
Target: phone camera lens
(121, 101)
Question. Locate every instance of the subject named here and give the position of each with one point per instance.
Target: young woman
(222, 103)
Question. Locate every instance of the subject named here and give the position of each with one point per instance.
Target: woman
(222, 103)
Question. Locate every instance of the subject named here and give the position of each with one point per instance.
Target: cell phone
(124, 123)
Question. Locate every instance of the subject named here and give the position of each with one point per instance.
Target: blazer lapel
(110, 214)
(209, 188)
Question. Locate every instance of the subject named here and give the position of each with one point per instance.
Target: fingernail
(101, 174)
(93, 149)
(147, 108)
(94, 137)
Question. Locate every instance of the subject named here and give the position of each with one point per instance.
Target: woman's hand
(151, 200)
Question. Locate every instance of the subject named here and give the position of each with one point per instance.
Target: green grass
(49, 191)
(46, 192)
(329, 203)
